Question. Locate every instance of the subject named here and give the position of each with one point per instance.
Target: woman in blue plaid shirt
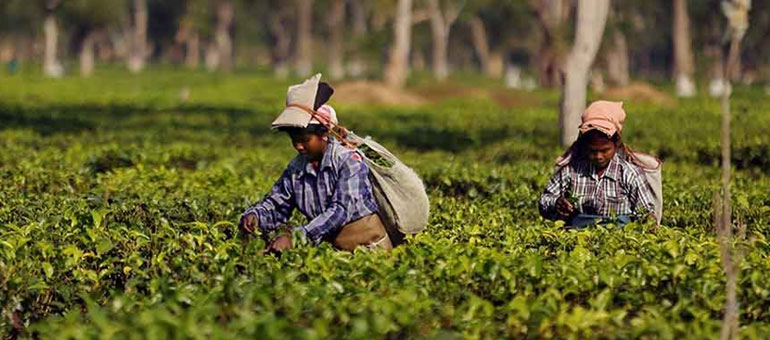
(328, 182)
(598, 180)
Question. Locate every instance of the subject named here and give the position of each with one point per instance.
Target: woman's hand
(248, 224)
(564, 208)
(280, 244)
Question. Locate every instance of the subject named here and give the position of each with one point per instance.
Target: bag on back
(399, 191)
(652, 167)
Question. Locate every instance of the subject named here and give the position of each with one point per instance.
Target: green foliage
(119, 206)
(18, 16)
(94, 13)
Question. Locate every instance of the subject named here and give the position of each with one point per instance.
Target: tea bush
(120, 201)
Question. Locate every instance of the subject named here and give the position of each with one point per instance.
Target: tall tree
(282, 45)
(303, 58)
(356, 65)
(684, 62)
(221, 51)
(552, 16)
(139, 51)
(189, 37)
(756, 50)
(480, 42)
(51, 65)
(336, 50)
(19, 24)
(618, 60)
(736, 12)
(616, 54)
(503, 33)
(396, 71)
(91, 20)
(711, 37)
(194, 23)
(441, 21)
(591, 18)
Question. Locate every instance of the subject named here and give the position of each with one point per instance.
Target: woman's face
(309, 144)
(600, 149)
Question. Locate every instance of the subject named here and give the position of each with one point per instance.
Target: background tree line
(677, 40)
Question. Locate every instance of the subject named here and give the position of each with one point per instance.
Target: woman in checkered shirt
(597, 180)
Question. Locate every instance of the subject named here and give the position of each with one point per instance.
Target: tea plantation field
(119, 203)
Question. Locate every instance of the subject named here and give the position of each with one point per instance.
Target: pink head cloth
(327, 113)
(605, 116)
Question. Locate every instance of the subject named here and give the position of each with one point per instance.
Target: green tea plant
(119, 204)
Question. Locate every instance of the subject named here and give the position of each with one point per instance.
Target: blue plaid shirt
(335, 194)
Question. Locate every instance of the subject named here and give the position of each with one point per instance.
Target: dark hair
(625, 151)
(577, 149)
(585, 137)
(317, 129)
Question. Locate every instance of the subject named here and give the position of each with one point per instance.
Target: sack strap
(337, 130)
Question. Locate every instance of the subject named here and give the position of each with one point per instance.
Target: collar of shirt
(612, 172)
(306, 168)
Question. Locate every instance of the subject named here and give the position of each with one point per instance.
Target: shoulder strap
(337, 130)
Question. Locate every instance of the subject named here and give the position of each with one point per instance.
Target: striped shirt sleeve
(640, 195)
(557, 187)
(277, 206)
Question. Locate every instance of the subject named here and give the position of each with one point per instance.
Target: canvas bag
(653, 174)
(399, 191)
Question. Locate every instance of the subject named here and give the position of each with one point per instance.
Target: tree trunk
(87, 49)
(440, 34)
(211, 57)
(222, 36)
(192, 50)
(730, 320)
(684, 64)
(137, 55)
(591, 18)
(356, 66)
(736, 12)
(336, 51)
(551, 14)
(304, 55)
(188, 37)
(717, 82)
(496, 63)
(282, 36)
(396, 71)
(104, 50)
(417, 62)
(513, 76)
(597, 81)
(617, 60)
(51, 65)
(481, 44)
(7, 50)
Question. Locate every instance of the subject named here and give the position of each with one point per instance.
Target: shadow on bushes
(754, 156)
(51, 119)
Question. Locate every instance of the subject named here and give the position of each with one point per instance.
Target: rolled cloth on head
(605, 116)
